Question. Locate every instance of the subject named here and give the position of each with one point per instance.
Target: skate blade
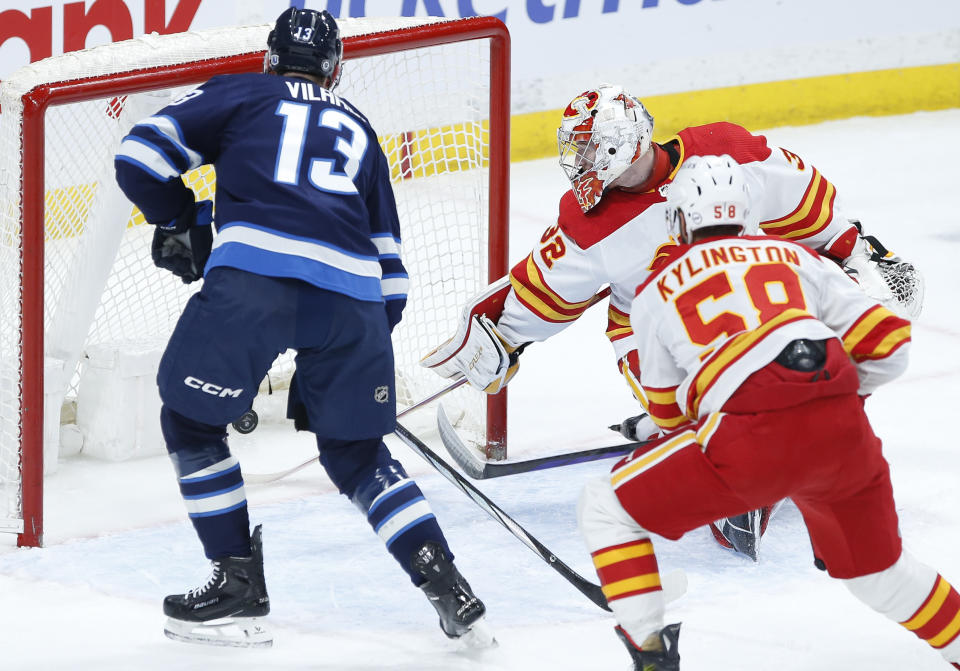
(235, 632)
(479, 637)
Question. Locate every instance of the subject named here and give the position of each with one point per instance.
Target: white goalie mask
(602, 133)
(708, 191)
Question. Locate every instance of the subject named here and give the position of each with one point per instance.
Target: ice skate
(461, 612)
(742, 533)
(229, 608)
(658, 652)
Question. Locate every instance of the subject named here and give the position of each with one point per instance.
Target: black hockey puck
(247, 423)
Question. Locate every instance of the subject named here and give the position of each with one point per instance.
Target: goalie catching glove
(183, 245)
(885, 277)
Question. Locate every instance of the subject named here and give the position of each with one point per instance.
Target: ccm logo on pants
(210, 388)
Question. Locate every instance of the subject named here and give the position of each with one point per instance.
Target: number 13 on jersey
(351, 144)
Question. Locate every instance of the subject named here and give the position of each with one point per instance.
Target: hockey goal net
(77, 286)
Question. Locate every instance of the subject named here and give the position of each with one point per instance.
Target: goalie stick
(482, 470)
(674, 583)
(264, 478)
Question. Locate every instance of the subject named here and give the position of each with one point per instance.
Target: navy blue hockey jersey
(303, 187)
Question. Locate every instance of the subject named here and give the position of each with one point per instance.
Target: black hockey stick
(588, 589)
(481, 470)
(263, 478)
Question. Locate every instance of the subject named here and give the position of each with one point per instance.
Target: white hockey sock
(624, 559)
(918, 598)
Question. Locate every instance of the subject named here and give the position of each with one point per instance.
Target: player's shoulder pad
(615, 209)
(723, 137)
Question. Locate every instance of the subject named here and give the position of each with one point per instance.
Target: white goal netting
(105, 306)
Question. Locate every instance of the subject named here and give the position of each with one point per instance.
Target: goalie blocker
(478, 350)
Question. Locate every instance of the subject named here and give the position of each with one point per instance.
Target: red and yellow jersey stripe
(812, 215)
(731, 352)
(663, 408)
(658, 402)
(532, 291)
(627, 569)
(937, 621)
(877, 334)
(618, 324)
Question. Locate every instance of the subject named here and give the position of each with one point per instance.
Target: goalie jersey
(618, 241)
(306, 195)
(718, 310)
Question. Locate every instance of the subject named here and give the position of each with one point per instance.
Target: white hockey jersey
(616, 243)
(716, 311)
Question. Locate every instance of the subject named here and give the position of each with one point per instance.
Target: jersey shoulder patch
(614, 210)
(666, 254)
(723, 137)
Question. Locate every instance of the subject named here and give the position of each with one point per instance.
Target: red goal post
(468, 147)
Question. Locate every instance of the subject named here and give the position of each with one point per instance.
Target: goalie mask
(602, 133)
(708, 191)
(306, 41)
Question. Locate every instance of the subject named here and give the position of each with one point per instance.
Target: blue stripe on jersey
(394, 286)
(388, 247)
(284, 238)
(264, 252)
(148, 157)
(174, 154)
(168, 127)
(272, 264)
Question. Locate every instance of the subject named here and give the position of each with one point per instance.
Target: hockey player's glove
(183, 245)
(884, 276)
(638, 428)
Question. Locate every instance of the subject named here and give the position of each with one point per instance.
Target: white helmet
(603, 131)
(708, 191)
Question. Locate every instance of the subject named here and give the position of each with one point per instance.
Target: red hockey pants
(783, 434)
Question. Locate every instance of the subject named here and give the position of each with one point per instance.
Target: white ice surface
(117, 539)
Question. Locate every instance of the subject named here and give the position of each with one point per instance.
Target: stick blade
(461, 453)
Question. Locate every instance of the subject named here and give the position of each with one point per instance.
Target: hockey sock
(624, 559)
(211, 485)
(217, 506)
(404, 521)
(630, 579)
(937, 621)
(395, 507)
(919, 599)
